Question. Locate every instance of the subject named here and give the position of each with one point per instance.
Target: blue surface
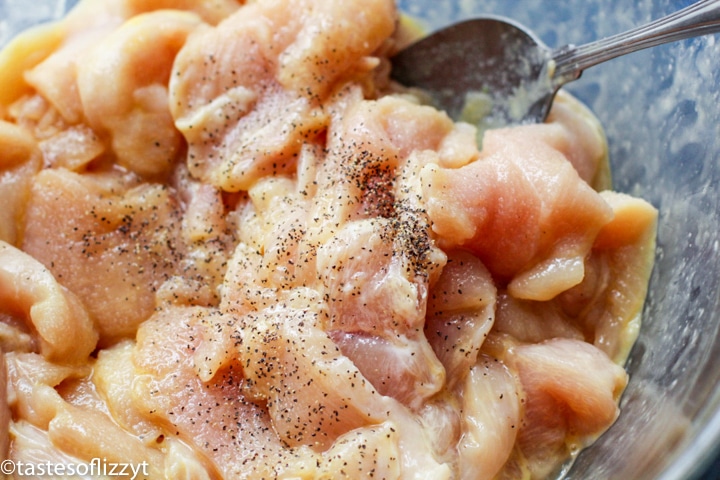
(713, 472)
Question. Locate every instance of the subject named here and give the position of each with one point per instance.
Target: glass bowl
(661, 112)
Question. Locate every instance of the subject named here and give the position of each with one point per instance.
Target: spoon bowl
(489, 68)
(493, 72)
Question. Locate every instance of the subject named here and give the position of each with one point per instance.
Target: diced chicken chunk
(314, 393)
(233, 433)
(401, 368)
(133, 109)
(491, 407)
(247, 93)
(522, 208)
(19, 160)
(67, 333)
(571, 390)
(461, 312)
(78, 225)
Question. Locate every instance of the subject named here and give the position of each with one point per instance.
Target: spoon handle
(700, 18)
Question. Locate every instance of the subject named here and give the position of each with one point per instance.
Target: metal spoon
(496, 70)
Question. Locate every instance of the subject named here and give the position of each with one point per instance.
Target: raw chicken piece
(533, 322)
(20, 159)
(181, 462)
(245, 287)
(374, 151)
(623, 253)
(132, 109)
(404, 369)
(232, 433)
(492, 410)
(88, 434)
(208, 233)
(273, 254)
(23, 53)
(5, 414)
(79, 225)
(376, 310)
(31, 445)
(280, 215)
(73, 148)
(369, 452)
(109, 390)
(571, 128)
(314, 394)
(393, 127)
(31, 382)
(604, 309)
(237, 433)
(52, 71)
(75, 427)
(369, 288)
(247, 93)
(55, 314)
(211, 11)
(113, 375)
(62, 43)
(522, 208)
(461, 312)
(571, 390)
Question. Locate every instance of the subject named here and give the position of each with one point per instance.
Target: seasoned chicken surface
(231, 247)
